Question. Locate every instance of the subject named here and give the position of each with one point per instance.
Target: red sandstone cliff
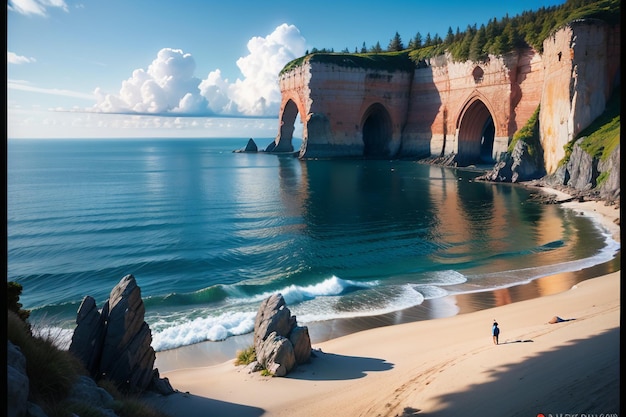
(469, 110)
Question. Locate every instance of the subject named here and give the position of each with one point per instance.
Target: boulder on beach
(280, 344)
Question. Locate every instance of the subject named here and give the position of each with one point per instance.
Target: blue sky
(191, 68)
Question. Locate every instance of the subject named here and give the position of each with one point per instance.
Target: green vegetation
(475, 43)
(396, 45)
(602, 136)
(52, 372)
(499, 37)
(529, 134)
(14, 290)
(245, 356)
(386, 61)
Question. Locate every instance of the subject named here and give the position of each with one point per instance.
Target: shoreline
(437, 364)
(210, 353)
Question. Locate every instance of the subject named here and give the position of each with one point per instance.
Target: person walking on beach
(495, 331)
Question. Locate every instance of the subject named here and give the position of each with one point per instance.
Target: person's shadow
(516, 341)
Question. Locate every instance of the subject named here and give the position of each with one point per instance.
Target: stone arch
(476, 131)
(377, 131)
(288, 114)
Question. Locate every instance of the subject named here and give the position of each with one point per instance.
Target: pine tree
(395, 44)
(476, 52)
(449, 36)
(377, 48)
(429, 40)
(416, 42)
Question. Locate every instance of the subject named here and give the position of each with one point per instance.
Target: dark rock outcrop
(280, 344)
(583, 177)
(88, 336)
(115, 343)
(610, 187)
(520, 165)
(17, 382)
(587, 177)
(84, 391)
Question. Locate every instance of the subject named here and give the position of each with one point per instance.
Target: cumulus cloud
(13, 58)
(169, 86)
(258, 92)
(35, 7)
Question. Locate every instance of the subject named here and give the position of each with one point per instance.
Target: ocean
(209, 233)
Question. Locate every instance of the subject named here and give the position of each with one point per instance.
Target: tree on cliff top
(395, 44)
(477, 45)
(530, 28)
(376, 49)
(416, 42)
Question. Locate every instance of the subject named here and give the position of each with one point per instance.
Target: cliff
(387, 106)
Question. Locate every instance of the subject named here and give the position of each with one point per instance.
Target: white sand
(441, 367)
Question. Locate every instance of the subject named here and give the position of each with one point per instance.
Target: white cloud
(215, 90)
(13, 58)
(169, 86)
(36, 7)
(258, 93)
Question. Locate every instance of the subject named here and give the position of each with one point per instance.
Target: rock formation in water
(250, 147)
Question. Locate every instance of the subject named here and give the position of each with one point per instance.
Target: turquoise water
(209, 233)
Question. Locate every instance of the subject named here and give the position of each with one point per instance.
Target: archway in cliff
(476, 135)
(486, 141)
(287, 127)
(376, 132)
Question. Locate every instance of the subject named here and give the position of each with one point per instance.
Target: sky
(192, 68)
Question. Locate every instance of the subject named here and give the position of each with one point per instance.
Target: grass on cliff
(383, 61)
(529, 134)
(602, 136)
(52, 371)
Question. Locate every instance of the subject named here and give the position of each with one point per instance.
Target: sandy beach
(442, 367)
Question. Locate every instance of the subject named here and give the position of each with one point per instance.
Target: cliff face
(466, 112)
(580, 74)
(334, 101)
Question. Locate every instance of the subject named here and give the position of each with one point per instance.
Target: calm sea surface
(208, 233)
